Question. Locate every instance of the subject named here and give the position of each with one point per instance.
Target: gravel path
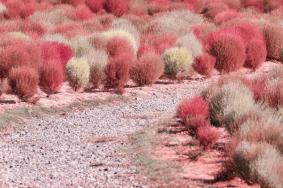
(83, 149)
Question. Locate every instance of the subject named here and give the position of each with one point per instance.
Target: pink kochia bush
(116, 7)
(82, 12)
(274, 40)
(51, 76)
(204, 64)
(243, 38)
(229, 50)
(194, 113)
(118, 45)
(207, 135)
(18, 53)
(95, 5)
(23, 81)
(225, 16)
(193, 107)
(148, 69)
(117, 71)
(56, 50)
(19, 8)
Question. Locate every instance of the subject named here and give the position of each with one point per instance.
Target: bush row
(255, 150)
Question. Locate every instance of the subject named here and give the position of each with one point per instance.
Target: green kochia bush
(177, 60)
(228, 102)
(78, 71)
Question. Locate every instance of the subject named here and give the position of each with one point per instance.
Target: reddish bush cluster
(18, 53)
(194, 113)
(118, 45)
(229, 50)
(51, 76)
(157, 43)
(82, 12)
(204, 64)
(274, 40)
(225, 16)
(23, 81)
(95, 5)
(116, 7)
(196, 106)
(19, 8)
(117, 71)
(207, 135)
(56, 51)
(148, 69)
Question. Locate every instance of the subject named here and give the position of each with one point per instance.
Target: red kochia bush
(204, 64)
(23, 81)
(229, 50)
(118, 45)
(116, 7)
(19, 8)
(117, 71)
(193, 5)
(51, 76)
(82, 12)
(193, 107)
(95, 5)
(274, 40)
(195, 122)
(56, 50)
(18, 53)
(226, 16)
(148, 69)
(258, 5)
(256, 53)
(214, 8)
(207, 135)
(159, 43)
(75, 2)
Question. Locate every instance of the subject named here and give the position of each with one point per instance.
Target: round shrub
(118, 45)
(56, 50)
(148, 69)
(97, 68)
(211, 9)
(256, 54)
(230, 53)
(77, 71)
(195, 122)
(226, 16)
(18, 53)
(122, 34)
(52, 76)
(177, 60)
(95, 5)
(116, 7)
(191, 42)
(204, 64)
(117, 71)
(229, 101)
(274, 40)
(23, 81)
(207, 135)
(82, 12)
(193, 107)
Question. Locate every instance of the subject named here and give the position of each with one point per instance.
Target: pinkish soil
(173, 159)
